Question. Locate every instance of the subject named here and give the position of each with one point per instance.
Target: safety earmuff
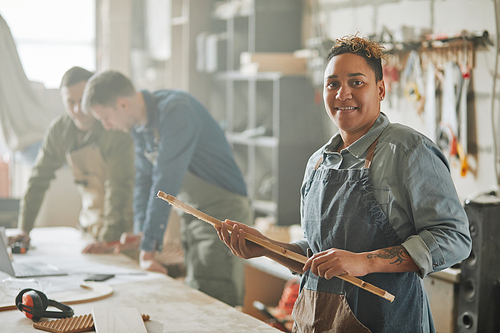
(34, 304)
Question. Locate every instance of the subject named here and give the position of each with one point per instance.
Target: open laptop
(24, 269)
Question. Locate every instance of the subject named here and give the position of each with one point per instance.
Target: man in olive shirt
(102, 163)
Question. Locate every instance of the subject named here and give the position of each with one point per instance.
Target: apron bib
(340, 211)
(90, 172)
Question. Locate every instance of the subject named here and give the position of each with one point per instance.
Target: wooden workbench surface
(171, 305)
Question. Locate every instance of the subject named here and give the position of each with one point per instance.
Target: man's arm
(119, 187)
(50, 158)
(142, 187)
(179, 131)
(142, 196)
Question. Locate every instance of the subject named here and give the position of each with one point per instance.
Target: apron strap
(318, 163)
(369, 154)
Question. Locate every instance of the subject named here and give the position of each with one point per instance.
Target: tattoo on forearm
(397, 252)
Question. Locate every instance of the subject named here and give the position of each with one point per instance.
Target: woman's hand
(334, 262)
(236, 240)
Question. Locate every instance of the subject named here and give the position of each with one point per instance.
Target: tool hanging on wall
(391, 77)
(430, 103)
(463, 133)
(414, 88)
(449, 127)
(437, 53)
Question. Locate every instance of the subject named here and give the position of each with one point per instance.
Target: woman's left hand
(334, 262)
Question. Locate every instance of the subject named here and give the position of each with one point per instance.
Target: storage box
(286, 63)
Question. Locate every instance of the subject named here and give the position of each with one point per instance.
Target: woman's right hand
(236, 239)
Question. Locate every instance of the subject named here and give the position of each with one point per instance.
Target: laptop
(24, 269)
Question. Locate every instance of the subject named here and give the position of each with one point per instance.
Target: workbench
(171, 305)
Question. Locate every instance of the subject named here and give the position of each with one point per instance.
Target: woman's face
(351, 94)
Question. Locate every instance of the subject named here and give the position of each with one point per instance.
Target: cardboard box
(286, 63)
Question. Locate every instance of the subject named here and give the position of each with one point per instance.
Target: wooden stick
(270, 246)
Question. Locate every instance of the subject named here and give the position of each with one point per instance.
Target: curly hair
(371, 51)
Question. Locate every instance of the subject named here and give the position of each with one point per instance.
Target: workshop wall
(409, 18)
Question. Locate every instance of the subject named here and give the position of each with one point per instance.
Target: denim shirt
(180, 136)
(413, 185)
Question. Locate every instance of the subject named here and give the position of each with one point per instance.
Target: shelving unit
(265, 26)
(188, 19)
(271, 120)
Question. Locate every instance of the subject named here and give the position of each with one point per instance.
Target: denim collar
(359, 147)
(151, 110)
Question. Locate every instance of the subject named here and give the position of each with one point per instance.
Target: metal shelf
(267, 207)
(262, 141)
(239, 76)
(271, 120)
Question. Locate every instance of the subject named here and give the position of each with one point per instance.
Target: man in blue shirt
(182, 151)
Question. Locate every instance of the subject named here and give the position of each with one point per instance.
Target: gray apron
(340, 211)
(210, 265)
(90, 172)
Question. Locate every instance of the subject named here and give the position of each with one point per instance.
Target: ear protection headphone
(34, 304)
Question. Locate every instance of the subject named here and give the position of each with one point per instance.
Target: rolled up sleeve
(442, 226)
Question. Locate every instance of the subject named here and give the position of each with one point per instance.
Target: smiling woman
(352, 95)
(369, 208)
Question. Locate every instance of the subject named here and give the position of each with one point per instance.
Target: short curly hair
(371, 51)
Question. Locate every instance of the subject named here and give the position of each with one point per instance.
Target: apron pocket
(316, 311)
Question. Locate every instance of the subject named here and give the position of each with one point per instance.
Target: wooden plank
(82, 323)
(118, 320)
(271, 246)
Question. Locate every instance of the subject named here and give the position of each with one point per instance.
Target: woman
(378, 202)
